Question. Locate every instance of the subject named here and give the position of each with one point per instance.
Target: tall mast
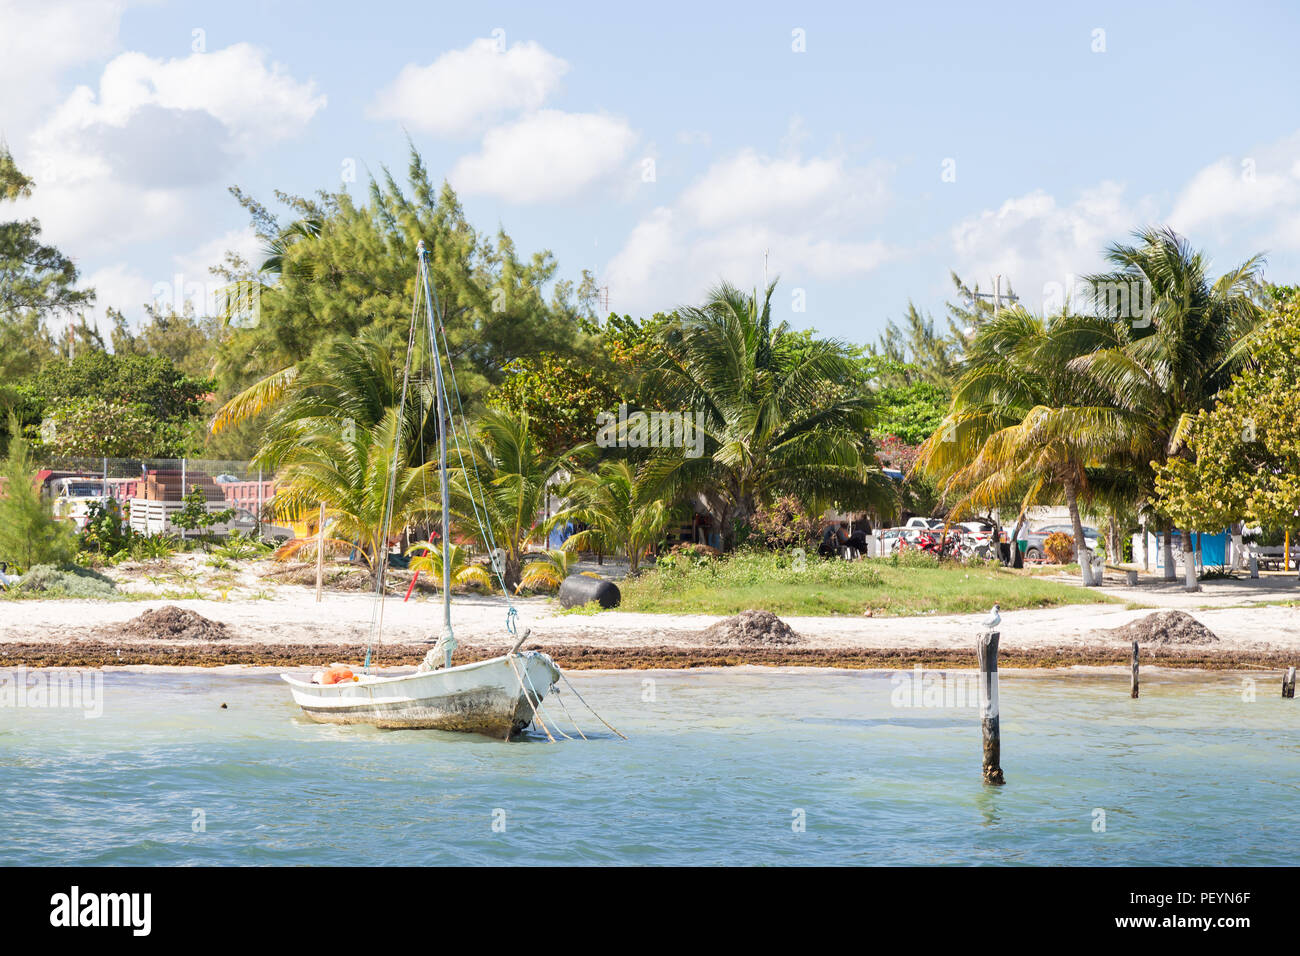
(443, 419)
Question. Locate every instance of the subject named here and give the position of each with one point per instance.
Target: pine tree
(29, 532)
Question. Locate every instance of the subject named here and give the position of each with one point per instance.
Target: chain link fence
(155, 488)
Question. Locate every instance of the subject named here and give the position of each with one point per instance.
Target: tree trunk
(1081, 552)
(1237, 555)
(1170, 574)
(1017, 560)
(1112, 541)
(513, 571)
(1189, 562)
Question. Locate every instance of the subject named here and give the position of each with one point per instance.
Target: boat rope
(576, 728)
(542, 707)
(443, 406)
(588, 706)
(536, 716)
(455, 408)
(381, 547)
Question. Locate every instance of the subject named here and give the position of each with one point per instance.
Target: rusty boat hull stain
(483, 697)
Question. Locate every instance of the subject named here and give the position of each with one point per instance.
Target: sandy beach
(1251, 619)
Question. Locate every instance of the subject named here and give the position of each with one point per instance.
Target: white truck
(73, 497)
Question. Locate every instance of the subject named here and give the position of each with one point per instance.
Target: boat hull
(484, 697)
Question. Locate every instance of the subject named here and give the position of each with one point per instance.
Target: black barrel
(578, 589)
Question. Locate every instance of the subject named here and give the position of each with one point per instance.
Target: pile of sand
(173, 624)
(1165, 627)
(751, 629)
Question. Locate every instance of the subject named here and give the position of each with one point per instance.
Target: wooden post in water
(1134, 683)
(320, 552)
(1288, 683)
(987, 653)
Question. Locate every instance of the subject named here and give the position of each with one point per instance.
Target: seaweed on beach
(752, 628)
(1164, 627)
(101, 653)
(172, 623)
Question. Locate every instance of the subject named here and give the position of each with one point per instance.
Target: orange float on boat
(337, 674)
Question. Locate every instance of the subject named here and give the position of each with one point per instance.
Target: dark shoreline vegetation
(35, 654)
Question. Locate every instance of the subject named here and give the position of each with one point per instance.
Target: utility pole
(995, 295)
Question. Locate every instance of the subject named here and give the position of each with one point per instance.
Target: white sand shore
(292, 616)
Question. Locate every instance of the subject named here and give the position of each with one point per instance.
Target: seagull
(993, 620)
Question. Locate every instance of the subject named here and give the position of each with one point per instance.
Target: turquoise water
(719, 766)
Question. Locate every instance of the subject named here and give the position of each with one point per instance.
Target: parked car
(245, 522)
(1034, 539)
(889, 540)
(923, 524)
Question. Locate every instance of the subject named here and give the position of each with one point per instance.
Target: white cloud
(546, 156)
(463, 90)
(38, 42)
(122, 163)
(808, 214)
(254, 102)
(184, 279)
(1235, 206)
(1040, 245)
(749, 186)
(1253, 198)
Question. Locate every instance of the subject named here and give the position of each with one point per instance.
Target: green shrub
(30, 535)
(747, 568)
(912, 558)
(67, 581)
(107, 532)
(153, 547)
(240, 546)
(195, 515)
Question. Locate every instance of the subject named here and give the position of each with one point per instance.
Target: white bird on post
(993, 620)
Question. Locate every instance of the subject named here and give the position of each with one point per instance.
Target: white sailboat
(495, 697)
(498, 697)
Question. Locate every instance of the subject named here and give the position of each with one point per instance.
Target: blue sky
(1059, 130)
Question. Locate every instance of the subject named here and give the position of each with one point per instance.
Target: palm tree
(1021, 423)
(781, 412)
(1163, 364)
(351, 380)
(546, 570)
(464, 572)
(624, 505)
(500, 485)
(352, 471)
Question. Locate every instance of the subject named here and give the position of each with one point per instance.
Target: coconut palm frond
(254, 400)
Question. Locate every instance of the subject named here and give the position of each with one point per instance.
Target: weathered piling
(320, 552)
(1288, 683)
(987, 654)
(1133, 683)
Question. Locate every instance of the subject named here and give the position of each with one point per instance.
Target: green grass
(784, 585)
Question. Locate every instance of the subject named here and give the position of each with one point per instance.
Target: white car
(889, 540)
(923, 524)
